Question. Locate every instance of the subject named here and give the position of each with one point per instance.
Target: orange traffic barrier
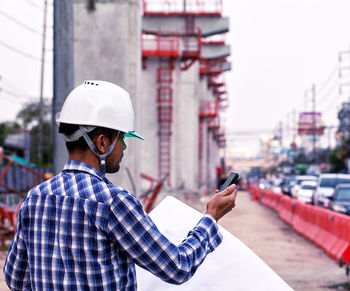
(264, 196)
(312, 218)
(328, 234)
(286, 209)
(327, 229)
(338, 248)
(298, 222)
(255, 192)
(342, 246)
(276, 201)
(270, 199)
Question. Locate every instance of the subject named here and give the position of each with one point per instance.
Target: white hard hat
(100, 103)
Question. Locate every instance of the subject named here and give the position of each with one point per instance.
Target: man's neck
(86, 157)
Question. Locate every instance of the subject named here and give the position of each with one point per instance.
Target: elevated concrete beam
(214, 51)
(226, 66)
(208, 25)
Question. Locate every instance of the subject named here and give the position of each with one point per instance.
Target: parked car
(265, 184)
(286, 185)
(340, 200)
(325, 187)
(306, 191)
(298, 180)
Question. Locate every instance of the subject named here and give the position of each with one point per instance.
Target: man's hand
(222, 203)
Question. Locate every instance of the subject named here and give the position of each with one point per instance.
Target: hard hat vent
(90, 83)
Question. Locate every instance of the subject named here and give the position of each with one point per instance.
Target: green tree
(28, 116)
(7, 128)
(338, 157)
(47, 154)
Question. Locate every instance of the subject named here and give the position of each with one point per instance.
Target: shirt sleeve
(138, 236)
(16, 270)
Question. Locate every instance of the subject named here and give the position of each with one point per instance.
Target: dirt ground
(300, 263)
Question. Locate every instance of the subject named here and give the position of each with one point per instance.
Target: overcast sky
(21, 27)
(279, 48)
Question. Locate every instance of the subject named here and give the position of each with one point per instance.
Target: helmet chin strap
(101, 157)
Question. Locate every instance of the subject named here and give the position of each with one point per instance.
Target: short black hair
(69, 129)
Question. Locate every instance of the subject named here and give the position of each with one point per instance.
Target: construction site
(172, 61)
(173, 58)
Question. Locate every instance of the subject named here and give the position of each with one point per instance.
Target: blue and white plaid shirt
(78, 231)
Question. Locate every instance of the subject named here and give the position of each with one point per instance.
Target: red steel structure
(165, 45)
(35, 178)
(150, 196)
(165, 115)
(29, 178)
(165, 48)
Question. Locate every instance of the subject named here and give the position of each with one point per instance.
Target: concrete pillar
(185, 139)
(107, 47)
(148, 118)
(63, 73)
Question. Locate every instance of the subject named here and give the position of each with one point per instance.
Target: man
(78, 231)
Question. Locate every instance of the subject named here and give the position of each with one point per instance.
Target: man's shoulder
(119, 192)
(82, 185)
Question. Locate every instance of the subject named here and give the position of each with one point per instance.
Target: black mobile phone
(232, 178)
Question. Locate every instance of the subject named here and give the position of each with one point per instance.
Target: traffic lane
(300, 263)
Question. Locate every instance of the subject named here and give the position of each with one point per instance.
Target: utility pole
(63, 72)
(346, 68)
(313, 116)
(343, 82)
(41, 102)
(281, 134)
(313, 91)
(294, 125)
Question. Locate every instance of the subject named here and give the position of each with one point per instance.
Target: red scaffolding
(155, 45)
(184, 45)
(165, 115)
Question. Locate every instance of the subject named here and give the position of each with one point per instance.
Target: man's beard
(112, 169)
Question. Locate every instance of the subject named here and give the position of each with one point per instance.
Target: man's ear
(101, 143)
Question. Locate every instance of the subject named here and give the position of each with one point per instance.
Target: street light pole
(41, 101)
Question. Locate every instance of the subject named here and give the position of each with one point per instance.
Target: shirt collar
(72, 165)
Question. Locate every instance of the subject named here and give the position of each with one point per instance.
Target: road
(301, 264)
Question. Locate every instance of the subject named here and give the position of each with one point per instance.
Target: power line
(2, 78)
(34, 4)
(328, 93)
(329, 78)
(20, 23)
(23, 97)
(21, 52)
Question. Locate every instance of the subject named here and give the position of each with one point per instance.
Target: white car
(306, 191)
(325, 187)
(297, 182)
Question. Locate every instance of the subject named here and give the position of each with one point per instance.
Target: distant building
(344, 120)
(18, 144)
